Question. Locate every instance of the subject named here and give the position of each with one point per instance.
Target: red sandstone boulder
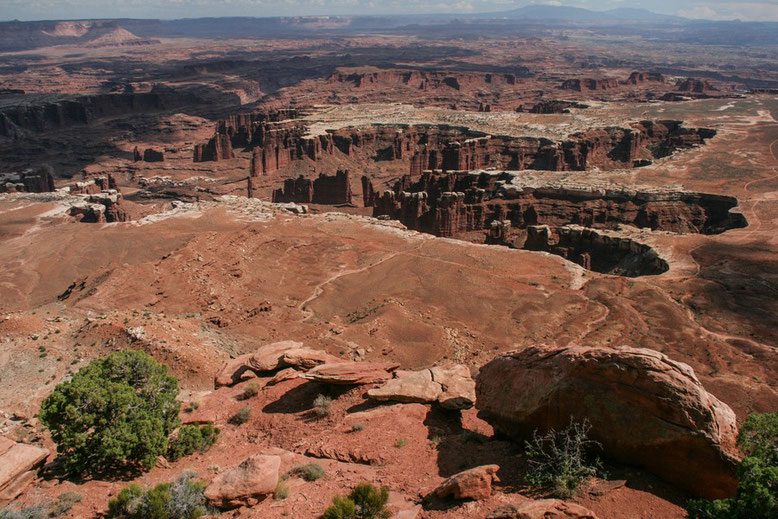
(475, 483)
(543, 509)
(452, 387)
(246, 484)
(270, 358)
(17, 461)
(644, 408)
(352, 373)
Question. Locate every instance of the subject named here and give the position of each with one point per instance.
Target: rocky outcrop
(446, 204)
(695, 86)
(582, 84)
(352, 373)
(369, 195)
(269, 358)
(218, 148)
(92, 185)
(542, 509)
(152, 155)
(40, 180)
(245, 485)
(597, 250)
(18, 462)
(637, 78)
(137, 156)
(644, 409)
(330, 190)
(452, 387)
(550, 107)
(475, 483)
(104, 207)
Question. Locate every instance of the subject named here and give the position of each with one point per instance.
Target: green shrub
(182, 499)
(241, 416)
(400, 443)
(191, 439)
(558, 459)
(309, 472)
(60, 507)
(757, 493)
(115, 411)
(364, 502)
(321, 406)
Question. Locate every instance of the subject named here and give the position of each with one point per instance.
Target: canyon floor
(197, 272)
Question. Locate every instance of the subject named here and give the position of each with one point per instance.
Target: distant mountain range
(529, 21)
(578, 14)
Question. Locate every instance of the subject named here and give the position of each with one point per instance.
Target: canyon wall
(331, 190)
(276, 141)
(446, 204)
(596, 250)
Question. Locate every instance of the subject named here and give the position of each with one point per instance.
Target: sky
(749, 10)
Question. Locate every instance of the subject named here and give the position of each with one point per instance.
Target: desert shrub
(309, 472)
(65, 502)
(357, 427)
(400, 443)
(558, 459)
(321, 406)
(182, 499)
(250, 391)
(282, 491)
(191, 439)
(115, 411)
(30, 512)
(241, 416)
(364, 502)
(60, 507)
(757, 493)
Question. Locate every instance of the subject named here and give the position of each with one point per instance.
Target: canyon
(395, 250)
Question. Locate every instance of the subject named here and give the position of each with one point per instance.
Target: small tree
(116, 411)
(757, 494)
(558, 459)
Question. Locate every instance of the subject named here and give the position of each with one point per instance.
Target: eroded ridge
(278, 138)
(494, 207)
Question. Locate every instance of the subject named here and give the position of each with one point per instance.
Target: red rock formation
(550, 107)
(475, 483)
(218, 148)
(542, 509)
(93, 185)
(329, 190)
(40, 180)
(105, 207)
(82, 110)
(152, 155)
(428, 147)
(368, 193)
(644, 409)
(637, 78)
(696, 86)
(582, 84)
(245, 485)
(445, 204)
(597, 251)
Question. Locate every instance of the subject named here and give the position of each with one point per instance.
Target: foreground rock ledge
(644, 408)
(245, 485)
